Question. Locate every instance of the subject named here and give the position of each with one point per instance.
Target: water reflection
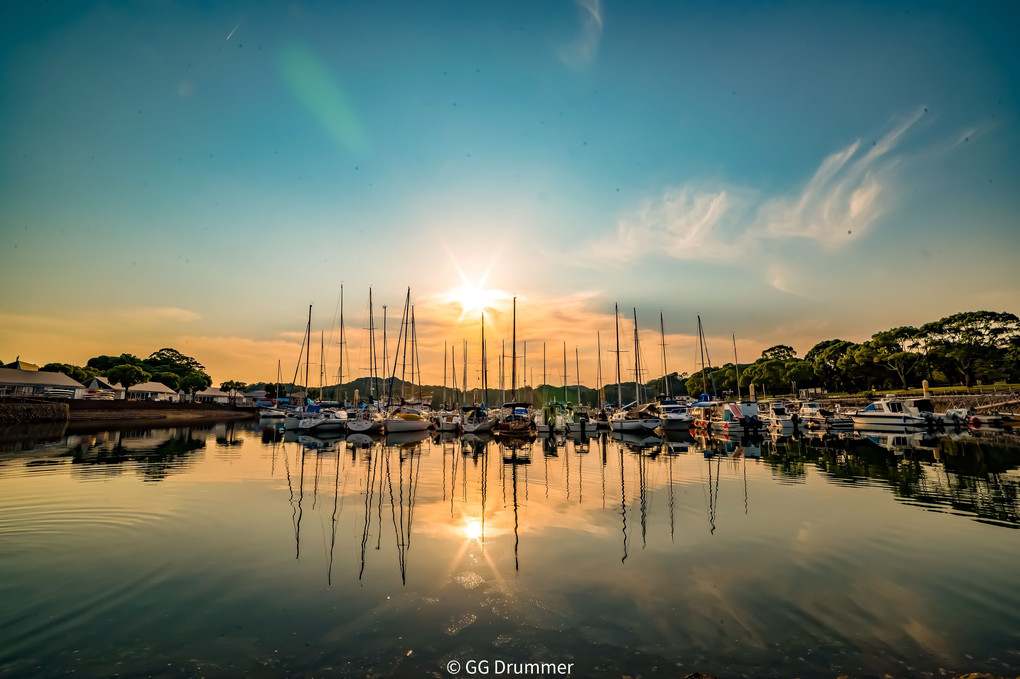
(621, 533)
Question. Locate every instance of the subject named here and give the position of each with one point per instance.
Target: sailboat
(368, 418)
(448, 419)
(274, 412)
(638, 417)
(516, 418)
(674, 415)
(405, 417)
(477, 419)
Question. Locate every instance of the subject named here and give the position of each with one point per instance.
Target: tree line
(962, 349)
(167, 366)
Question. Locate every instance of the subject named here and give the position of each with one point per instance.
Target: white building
(212, 395)
(38, 383)
(151, 391)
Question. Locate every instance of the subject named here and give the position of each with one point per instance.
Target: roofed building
(37, 383)
(151, 391)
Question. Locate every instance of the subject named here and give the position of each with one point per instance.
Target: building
(18, 364)
(36, 383)
(151, 391)
(101, 389)
(212, 395)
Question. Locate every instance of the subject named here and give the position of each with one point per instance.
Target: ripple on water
(458, 623)
(468, 579)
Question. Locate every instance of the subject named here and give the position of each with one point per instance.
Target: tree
(169, 379)
(195, 381)
(128, 376)
(174, 360)
(971, 343)
(890, 351)
(74, 372)
(233, 385)
(781, 351)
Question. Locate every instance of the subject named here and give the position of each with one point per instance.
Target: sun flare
(473, 530)
(474, 298)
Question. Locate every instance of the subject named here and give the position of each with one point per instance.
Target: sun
(474, 298)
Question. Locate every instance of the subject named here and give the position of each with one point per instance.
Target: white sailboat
(639, 417)
(405, 418)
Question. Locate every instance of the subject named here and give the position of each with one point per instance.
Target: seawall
(30, 413)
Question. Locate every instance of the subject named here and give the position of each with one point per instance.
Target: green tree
(890, 351)
(781, 351)
(195, 381)
(74, 372)
(971, 344)
(173, 361)
(169, 379)
(233, 385)
(128, 376)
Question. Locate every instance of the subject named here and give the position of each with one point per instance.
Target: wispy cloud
(159, 314)
(844, 198)
(684, 223)
(582, 50)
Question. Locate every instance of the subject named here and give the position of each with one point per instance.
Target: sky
(195, 175)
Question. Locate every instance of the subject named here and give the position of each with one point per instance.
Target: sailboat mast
(308, 351)
(619, 387)
(371, 349)
(485, 366)
(463, 376)
(637, 363)
(545, 396)
(598, 375)
(393, 375)
(513, 361)
(453, 365)
(577, 373)
(444, 372)
(701, 345)
(415, 359)
(564, 372)
(385, 353)
(736, 366)
(322, 359)
(665, 375)
(340, 371)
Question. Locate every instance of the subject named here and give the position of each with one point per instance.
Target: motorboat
(813, 415)
(886, 412)
(640, 418)
(774, 415)
(674, 416)
(552, 418)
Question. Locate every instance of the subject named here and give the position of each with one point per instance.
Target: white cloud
(851, 189)
(160, 314)
(684, 223)
(582, 50)
(845, 197)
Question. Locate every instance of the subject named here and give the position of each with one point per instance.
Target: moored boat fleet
(388, 410)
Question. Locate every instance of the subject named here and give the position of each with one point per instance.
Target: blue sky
(791, 171)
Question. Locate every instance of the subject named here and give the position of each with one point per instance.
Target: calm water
(227, 551)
